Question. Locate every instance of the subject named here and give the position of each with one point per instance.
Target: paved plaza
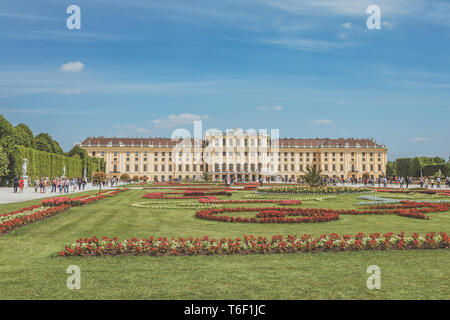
(7, 194)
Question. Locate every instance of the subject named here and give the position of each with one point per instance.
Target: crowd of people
(57, 185)
(402, 182)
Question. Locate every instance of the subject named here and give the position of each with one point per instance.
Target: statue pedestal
(25, 181)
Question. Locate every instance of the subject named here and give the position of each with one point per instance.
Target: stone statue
(24, 167)
(24, 172)
(64, 171)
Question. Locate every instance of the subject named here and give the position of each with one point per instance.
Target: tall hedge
(41, 163)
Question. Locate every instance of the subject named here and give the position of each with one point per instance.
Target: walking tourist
(16, 184)
(36, 184)
(21, 184)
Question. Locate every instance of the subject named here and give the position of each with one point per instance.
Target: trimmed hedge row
(41, 163)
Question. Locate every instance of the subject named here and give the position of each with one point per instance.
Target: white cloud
(320, 121)
(347, 25)
(420, 139)
(180, 119)
(142, 131)
(387, 25)
(71, 91)
(274, 108)
(305, 44)
(72, 66)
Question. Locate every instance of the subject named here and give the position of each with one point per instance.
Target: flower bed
(286, 197)
(163, 195)
(174, 205)
(414, 191)
(278, 215)
(162, 246)
(308, 190)
(81, 200)
(211, 200)
(270, 215)
(48, 208)
(13, 221)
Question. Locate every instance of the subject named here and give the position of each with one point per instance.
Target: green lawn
(29, 268)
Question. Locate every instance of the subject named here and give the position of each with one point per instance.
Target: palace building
(235, 153)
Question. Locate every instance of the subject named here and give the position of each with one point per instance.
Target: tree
(4, 163)
(313, 176)
(135, 178)
(391, 169)
(206, 177)
(6, 127)
(403, 166)
(77, 150)
(125, 177)
(416, 167)
(438, 160)
(23, 136)
(99, 177)
(14, 161)
(45, 142)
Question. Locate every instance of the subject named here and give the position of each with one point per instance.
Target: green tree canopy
(313, 175)
(23, 136)
(6, 127)
(77, 150)
(4, 163)
(45, 142)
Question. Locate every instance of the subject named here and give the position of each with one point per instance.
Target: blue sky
(309, 68)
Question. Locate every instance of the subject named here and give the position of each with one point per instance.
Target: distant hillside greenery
(45, 155)
(419, 166)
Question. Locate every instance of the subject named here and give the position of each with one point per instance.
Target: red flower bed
(21, 210)
(278, 215)
(163, 195)
(270, 215)
(333, 242)
(211, 200)
(192, 193)
(81, 200)
(33, 217)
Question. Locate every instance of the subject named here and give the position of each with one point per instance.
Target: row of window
(102, 153)
(239, 167)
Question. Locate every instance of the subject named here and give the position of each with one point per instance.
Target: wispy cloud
(420, 139)
(274, 108)
(306, 44)
(174, 120)
(14, 15)
(49, 111)
(320, 122)
(71, 91)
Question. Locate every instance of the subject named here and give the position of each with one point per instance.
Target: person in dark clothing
(16, 184)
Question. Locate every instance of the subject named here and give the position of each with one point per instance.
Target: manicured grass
(30, 269)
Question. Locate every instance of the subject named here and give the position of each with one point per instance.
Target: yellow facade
(248, 157)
